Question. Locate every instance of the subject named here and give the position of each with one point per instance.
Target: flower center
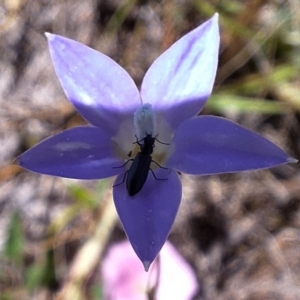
(145, 123)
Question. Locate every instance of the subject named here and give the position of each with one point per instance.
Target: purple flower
(174, 89)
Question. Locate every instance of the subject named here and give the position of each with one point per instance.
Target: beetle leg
(122, 180)
(124, 164)
(159, 165)
(156, 177)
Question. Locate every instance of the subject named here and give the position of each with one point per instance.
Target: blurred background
(238, 232)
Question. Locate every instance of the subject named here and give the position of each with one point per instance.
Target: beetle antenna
(138, 141)
(161, 142)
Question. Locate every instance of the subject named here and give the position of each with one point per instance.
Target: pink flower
(124, 277)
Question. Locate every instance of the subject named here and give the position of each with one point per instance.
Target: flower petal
(180, 80)
(147, 217)
(211, 145)
(81, 153)
(123, 277)
(98, 87)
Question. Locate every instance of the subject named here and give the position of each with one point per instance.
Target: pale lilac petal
(98, 87)
(147, 217)
(124, 278)
(177, 279)
(180, 81)
(81, 153)
(211, 145)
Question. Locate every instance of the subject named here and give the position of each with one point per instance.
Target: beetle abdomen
(138, 173)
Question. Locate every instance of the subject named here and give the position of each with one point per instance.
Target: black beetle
(138, 171)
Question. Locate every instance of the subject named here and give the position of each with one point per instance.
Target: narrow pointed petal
(98, 87)
(180, 81)
(147, 217)
(81, 153)
(211, 145)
